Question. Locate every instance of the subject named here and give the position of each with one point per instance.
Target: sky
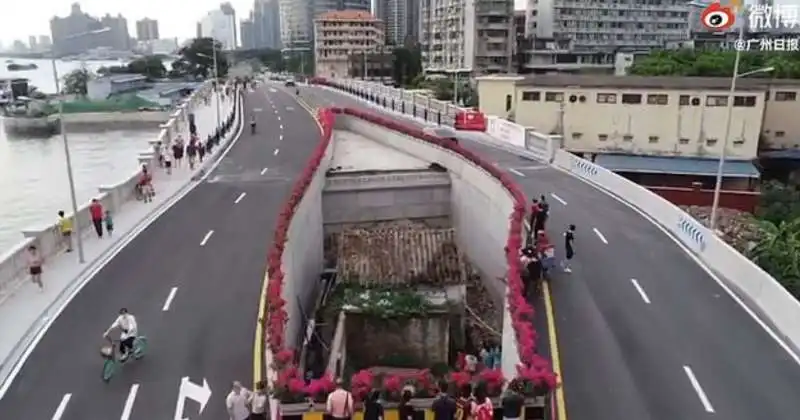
(175, 18)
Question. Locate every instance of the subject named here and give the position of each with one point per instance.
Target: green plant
(382, 302)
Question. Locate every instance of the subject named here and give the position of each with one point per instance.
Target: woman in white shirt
(237, 401)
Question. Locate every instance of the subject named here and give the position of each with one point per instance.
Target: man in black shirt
(513, 401)
(444, 407)
(569, 238)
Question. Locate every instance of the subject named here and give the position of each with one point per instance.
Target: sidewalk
(25, 310)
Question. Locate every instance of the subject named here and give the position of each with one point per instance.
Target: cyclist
(253, 124)
(128, 331)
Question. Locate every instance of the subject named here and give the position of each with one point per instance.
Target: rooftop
(644, 82)
(347, 15)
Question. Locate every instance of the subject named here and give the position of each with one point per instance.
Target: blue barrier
(584, 167)
(692, 232)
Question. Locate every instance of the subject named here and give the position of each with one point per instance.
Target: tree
(687, 62)
(778, 202)
(197, 59)
(407, 65)
(778, 253)
(150, 66)
(75, 82)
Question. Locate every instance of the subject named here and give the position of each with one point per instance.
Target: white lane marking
(280, 137)
(516, 172)
(600, 235)
(47, 322)
(272, 90)
(276, 152)
(698, 389)
(279, 117)
(126, 410)
(170, 297)
(62, 407)
(239, 198)
(263, 171)
(206, 238)
(257, 109)
(281, 126)
(639, 289)
(559, 199)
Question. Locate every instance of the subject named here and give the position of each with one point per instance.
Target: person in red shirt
(96, 213)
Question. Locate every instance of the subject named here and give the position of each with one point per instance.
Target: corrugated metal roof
(676, 165)
(392, 255)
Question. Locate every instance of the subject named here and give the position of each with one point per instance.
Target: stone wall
(374, 341)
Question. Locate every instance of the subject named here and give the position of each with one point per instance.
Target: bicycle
(112, 361)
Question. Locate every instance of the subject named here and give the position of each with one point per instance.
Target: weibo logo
(717, 17)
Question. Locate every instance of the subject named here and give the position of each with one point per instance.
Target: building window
(780, 133)
(653, 139)
(683, 140)
(714, 100)
(711, 142)
(738, 143)
(606, 98)
(684, 100)
(602, 137)
(627, 138)
(657, 99)
(631, 98)
(554, 96)
(785, 96)
(748, 101)
(531, 96)
(508, 103)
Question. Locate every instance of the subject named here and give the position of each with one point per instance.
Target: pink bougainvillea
(532, 367)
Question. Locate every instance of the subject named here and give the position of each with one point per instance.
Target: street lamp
(736, 75)
(65, 139)
(216, 75)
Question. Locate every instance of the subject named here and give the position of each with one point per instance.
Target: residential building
(247, 33)
(647, 119)
(147, 29)
(339, 35)
(79, 32)
(467, 35)
(221, 26)
(266, 24)
(102, 87)
(400, 18)
(44, 42)
(228, 10)
(164, 46)
(297, 18)
(578, 34)
(32, 43)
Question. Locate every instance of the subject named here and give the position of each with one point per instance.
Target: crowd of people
(538, 257)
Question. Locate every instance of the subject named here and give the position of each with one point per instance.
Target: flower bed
(534, 371)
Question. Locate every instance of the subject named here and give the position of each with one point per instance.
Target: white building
(221, 26)
(467, 35)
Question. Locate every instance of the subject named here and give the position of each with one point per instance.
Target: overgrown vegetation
(778, 250)
(387, 302)
(688, 62)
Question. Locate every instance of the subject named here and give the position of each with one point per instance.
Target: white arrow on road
(194, 392)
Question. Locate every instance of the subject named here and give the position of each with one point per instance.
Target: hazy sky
(176, 18)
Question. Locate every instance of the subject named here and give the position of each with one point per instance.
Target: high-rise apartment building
(79, 32)
(400, 18)
(33, 43)
(266, 24)
(147, 29)
(246, 33)
(341, 35)
(228, 10)
(474, 36)
(592, 32)
(297, 18)
(221, 26)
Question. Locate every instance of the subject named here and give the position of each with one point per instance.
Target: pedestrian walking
(373, 409)
(236, 402)
(191, 152)
(569, 250)
(532, 223)
(65, 227)
(177, 151)
(340, 403)
(258, 402)
(168, 163)
(109, 223)
(542, 214)
(513, 401)
(35, 261)
(444, 406)
(96, 213)
(201, 151)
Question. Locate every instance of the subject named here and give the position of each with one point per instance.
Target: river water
(33, 174)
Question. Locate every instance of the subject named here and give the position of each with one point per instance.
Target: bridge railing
(759, 291)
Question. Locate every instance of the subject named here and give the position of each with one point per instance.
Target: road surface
(192, 279)
(644, 332)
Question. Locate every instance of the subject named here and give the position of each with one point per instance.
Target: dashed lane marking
(169, 300)
(206, 238)
(62, 407)
(263, 171)
(240, 198)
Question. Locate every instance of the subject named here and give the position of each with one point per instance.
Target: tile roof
(346, 15)
(398, 254)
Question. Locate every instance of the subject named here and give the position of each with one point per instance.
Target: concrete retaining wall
(353, 199)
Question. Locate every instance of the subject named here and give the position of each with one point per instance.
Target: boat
(21, 67)
(24, 117)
